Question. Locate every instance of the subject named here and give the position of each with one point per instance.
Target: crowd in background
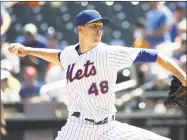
(161, 27)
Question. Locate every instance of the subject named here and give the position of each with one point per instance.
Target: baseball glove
(177, 94)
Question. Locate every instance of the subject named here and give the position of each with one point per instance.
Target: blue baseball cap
(89, 16)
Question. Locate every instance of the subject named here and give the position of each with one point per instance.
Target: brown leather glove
(177, 94)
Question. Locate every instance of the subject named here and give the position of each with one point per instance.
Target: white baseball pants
(77, 129)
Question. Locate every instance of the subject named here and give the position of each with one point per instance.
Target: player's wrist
(28, 50)
(184, 81)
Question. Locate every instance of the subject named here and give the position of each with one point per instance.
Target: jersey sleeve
(122, 57)
(146, 55)
(61, 57)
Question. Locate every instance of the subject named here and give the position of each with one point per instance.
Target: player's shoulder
(105, 47)
(70, 48)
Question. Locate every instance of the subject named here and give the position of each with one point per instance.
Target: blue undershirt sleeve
(146, 55)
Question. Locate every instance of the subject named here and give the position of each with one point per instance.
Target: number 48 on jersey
(96, 89)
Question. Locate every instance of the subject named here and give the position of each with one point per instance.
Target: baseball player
(91, 71)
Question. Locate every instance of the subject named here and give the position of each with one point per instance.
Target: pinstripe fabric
(92, 106)
(91, 79)
(77, 129)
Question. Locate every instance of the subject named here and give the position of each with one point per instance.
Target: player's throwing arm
(50, 55)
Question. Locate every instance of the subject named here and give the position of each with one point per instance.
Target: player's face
(93, 31)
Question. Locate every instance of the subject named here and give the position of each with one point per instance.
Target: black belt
(77, 114)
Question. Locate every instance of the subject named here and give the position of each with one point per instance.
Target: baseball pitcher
(91, 71)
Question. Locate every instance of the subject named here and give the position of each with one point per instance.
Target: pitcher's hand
(3, 131)
(17, 49)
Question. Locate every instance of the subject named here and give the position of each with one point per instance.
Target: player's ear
(79, 29)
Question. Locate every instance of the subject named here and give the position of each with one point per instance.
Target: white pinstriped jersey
(91, 78)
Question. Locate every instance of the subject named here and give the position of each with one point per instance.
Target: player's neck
(85, 46)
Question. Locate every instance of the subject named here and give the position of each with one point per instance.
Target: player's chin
(97, 39)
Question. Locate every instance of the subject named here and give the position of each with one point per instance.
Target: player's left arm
(151, 55)
(172, 67)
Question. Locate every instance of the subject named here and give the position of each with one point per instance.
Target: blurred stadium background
(33, 94)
